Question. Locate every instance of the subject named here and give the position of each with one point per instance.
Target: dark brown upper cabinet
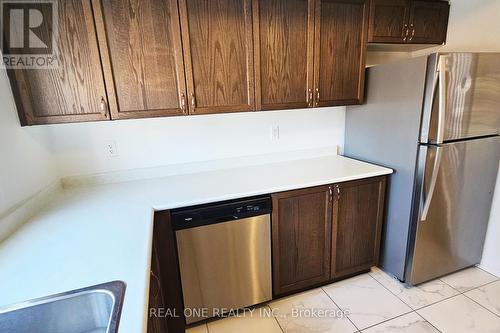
(74, 91)
(301, 238)
(408, 21)
(309, 53)
(388, 20)
(357, 224)
(339, 51)
(142, 57)
(283, 44)
(428, 22)
(218, 54)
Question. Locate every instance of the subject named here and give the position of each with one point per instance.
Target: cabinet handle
(104, 106)
(183, 103)
(193, 102)
(412, 33)
(317, 96)
(405, 32)
(337, 188)
(330, 194)
(310, 98)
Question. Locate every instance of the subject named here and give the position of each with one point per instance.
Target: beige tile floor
(467, 301)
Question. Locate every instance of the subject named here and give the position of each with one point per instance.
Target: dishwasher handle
(225, 211)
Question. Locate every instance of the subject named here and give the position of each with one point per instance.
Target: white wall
(474, 26)
(81, 148)
(26, 164)
(491, 254)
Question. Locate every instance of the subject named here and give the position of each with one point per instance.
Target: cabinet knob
(310, 98)
(193, 102)
(412, 32)
(183, 103)
(405, 32)
(104, 106)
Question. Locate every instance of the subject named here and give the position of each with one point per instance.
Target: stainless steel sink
(88, 310)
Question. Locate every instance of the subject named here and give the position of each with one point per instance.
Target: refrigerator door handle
(432, 185)
(442, 99)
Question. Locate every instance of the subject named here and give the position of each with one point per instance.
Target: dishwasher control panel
(219, 212)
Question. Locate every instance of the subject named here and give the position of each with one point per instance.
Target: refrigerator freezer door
(453, 211)
(466, 100)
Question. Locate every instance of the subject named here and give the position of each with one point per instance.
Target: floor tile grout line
(464, 294)
(444, 299)
(481, 286)
(475, 288)
(408, 305)
(418, 314)
(277, 321)
(416, 310)
(385, 321)
(481, 305)
(498, 278)
(327, 295)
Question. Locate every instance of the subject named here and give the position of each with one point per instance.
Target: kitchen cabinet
(74, 91)
(283, 43)
(152, 58)
(301, 238)
(218, 54)
(357, 224)
(142, 58)
(156, 324)
(166, 309)
(388, 20)
(340, 51)
(325, 233)
(408, 21)
(428, 22)
(309, 53)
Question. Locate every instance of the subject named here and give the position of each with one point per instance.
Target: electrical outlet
(111, 149)
(275, 132)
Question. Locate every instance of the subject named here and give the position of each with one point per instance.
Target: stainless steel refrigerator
(435, 120)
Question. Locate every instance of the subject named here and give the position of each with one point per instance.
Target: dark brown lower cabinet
(325, 233)
(156, 324)
(165, 311)
(301, 238)
(357, 223)
(319, 234)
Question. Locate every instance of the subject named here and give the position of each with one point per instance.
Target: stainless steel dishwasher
(224, 254)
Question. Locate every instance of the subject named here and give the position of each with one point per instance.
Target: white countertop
(94, 234)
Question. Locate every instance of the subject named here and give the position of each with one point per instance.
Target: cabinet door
(340, 51)
(218, 53)
(156, 324)
(72, 91)
(388, 21)
(142, 57)
(428, 22)
(357, 223)
(283, 43)
(301, 238)
(166, 275)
